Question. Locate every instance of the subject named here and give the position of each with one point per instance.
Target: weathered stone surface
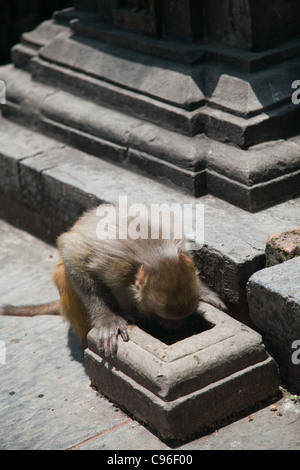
(27, 265)
(274, 300)
(31, 42)
(43, 34)
(177, 389)
(172, 83)
(243, 99)
(245, 95)
(282, 246)
(251, 180)
(274, 306)
(256, 177)
(18, 143)
(174, 103)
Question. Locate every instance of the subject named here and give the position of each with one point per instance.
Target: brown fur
(70, 304)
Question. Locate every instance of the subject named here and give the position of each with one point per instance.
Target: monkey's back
(118, 241)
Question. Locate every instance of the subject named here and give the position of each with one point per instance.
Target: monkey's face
(170, 292)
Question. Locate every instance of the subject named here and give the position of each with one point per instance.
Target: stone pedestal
(190, 386)
(217, 83)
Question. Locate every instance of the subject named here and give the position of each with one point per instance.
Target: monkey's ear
(186, 259)
(140, 279)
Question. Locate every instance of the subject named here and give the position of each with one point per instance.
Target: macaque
(106, 279)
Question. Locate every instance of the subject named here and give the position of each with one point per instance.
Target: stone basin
(191, 385)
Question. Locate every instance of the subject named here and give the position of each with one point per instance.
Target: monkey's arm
(211, 297)
(101, 307)
(100, 304)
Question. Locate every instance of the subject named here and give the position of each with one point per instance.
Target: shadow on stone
(76, 350)
(193, 325)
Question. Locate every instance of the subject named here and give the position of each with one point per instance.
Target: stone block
(31, 42)
(31, 176)
(283, 352)
(282, 246)
(257, 177)
(251, 179)
(17, 144)
(189, 386)
(274, 307)
(274, 299)
(43, 34)
(172, 83)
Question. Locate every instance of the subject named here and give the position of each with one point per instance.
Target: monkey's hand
(108, 332)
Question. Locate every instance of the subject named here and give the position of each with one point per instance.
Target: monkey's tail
(51, 308)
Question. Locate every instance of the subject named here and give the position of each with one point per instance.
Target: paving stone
(263, 430)
(130, 435)
(46, 400)
(27, 265)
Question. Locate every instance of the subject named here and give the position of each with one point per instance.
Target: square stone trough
(191, 385)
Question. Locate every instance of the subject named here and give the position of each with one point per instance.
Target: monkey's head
(169, 291)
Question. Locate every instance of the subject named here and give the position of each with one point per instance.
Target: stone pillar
(201, 89)
(253, 25)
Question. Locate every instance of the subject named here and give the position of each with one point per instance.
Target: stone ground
(46, 401)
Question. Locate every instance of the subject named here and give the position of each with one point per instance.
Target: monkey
(106, 280)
